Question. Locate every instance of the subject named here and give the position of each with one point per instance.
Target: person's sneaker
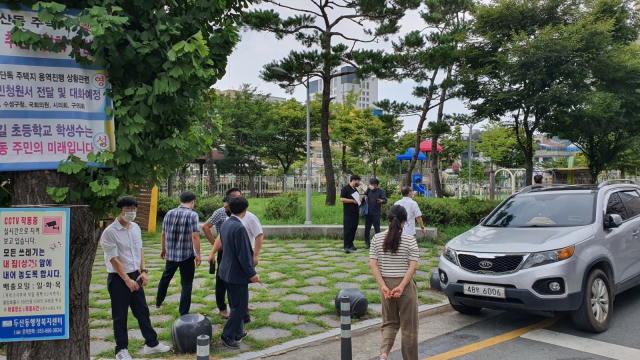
(346, 251)
(242, 337)
(160, 348)
(367, 246)
(353, 248)
(230, 343)
(123, 355)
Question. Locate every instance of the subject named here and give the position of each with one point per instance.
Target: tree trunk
(30, 189)
(170, 185)
(252, 186)
(326, 141)
(623, 174)
(594, 176)
(211, 167)
(528, 153)
(435, 171)
(183, 180)
(344, 159)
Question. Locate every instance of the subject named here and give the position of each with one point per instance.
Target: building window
(319, 154)
(367, 85)
(367, 100)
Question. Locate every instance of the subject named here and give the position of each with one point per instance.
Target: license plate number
(484, 290)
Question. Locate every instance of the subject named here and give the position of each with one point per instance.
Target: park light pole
(470, 156)
(307, 67)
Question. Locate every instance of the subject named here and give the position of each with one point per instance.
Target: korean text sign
(35, 274)
(50, 106)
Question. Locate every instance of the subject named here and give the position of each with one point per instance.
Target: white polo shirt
(124, 244)
(253, 226)
(413, 211)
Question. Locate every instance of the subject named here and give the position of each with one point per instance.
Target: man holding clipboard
(350, 199)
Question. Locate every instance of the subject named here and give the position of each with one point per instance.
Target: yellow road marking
(493, 341)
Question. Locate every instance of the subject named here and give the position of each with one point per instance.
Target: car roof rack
(541, 186)
(617, 181)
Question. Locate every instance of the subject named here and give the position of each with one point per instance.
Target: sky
(256, 49)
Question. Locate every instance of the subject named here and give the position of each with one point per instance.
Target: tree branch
(292, 8)
(352, 39)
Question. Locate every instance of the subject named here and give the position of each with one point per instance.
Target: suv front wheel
(594, 314)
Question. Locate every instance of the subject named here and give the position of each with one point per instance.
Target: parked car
(549, 250)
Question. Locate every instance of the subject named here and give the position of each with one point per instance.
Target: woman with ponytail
(393, 261)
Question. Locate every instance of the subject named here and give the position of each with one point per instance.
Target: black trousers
(187, 272)
(121, 299)
(350, 227)
(238, 303)
(368, 221)
(221, 287)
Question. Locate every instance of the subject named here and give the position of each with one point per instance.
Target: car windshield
(547, 209)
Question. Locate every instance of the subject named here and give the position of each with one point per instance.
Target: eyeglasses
(130, 209)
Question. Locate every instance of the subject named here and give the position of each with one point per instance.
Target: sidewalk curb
(423, 311)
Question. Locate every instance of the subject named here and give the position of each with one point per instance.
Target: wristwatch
(144, 271)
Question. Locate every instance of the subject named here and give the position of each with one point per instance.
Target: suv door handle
(635, 233)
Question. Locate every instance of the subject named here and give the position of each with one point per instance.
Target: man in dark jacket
(375, 198)
(236, 270)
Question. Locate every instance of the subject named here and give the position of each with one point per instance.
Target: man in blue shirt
(180, 247)
(236, 270)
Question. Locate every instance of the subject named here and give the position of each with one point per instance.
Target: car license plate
(484, 290)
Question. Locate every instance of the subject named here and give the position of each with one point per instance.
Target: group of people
(237, 245)
(393, 255)
(393, 260)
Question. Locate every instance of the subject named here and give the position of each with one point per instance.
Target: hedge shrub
(466, 211)
(284, 206)
(205, 205)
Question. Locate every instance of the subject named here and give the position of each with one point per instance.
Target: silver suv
(549, 250)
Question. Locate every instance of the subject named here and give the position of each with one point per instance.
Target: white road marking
(594, 347)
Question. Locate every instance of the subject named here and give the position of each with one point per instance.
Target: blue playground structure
(419, 187)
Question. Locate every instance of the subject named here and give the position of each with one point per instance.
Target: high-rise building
(341, 86)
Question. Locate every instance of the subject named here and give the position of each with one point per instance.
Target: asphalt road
(513, 336)
(495, 335)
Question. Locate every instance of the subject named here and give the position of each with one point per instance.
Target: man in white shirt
(124, 258)
(413, 212)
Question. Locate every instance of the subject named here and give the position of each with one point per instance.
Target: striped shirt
(390, 264)
(179, 224)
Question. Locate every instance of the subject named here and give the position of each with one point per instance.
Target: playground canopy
(409, 155)
(427, 145)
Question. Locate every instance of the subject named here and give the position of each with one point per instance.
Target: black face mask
(228, 213)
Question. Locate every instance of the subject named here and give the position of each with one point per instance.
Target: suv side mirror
(612, 221)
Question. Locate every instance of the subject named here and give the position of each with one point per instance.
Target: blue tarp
(409, 155)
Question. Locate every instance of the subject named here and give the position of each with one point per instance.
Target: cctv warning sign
(34, 263)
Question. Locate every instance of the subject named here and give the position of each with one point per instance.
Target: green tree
(285, 132)
(477, 171)
(374, 136)
(162, 60)
(317, 27)
(343, 126)
(530, 58)
(499, 143)
(431, 59)
(244, 115)
(629, 160)
(452, 146)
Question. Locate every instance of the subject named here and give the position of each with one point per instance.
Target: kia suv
(549, 250)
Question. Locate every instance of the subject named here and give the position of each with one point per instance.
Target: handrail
(610, 182)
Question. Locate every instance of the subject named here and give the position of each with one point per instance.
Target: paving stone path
(302, 279)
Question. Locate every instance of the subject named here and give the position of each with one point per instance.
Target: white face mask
(129, 216)
(371, 187)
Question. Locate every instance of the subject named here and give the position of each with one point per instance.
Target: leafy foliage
(283, 206)
(499, 143)
(437, 212)
(162, 59)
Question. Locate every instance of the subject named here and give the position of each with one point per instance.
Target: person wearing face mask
(375, 198)
(413, 212)
(124, 258)
(181, 249)
(351, 215)
(217, 219)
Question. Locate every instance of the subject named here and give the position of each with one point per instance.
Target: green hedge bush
(205, 205)
(466, 211)
(283, 206)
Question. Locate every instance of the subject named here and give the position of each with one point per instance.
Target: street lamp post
(307, 68)
(470, 156)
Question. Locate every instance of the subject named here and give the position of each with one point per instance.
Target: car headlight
(450, 255)
(548, 257)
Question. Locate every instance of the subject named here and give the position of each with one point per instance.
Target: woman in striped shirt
(393, 261)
